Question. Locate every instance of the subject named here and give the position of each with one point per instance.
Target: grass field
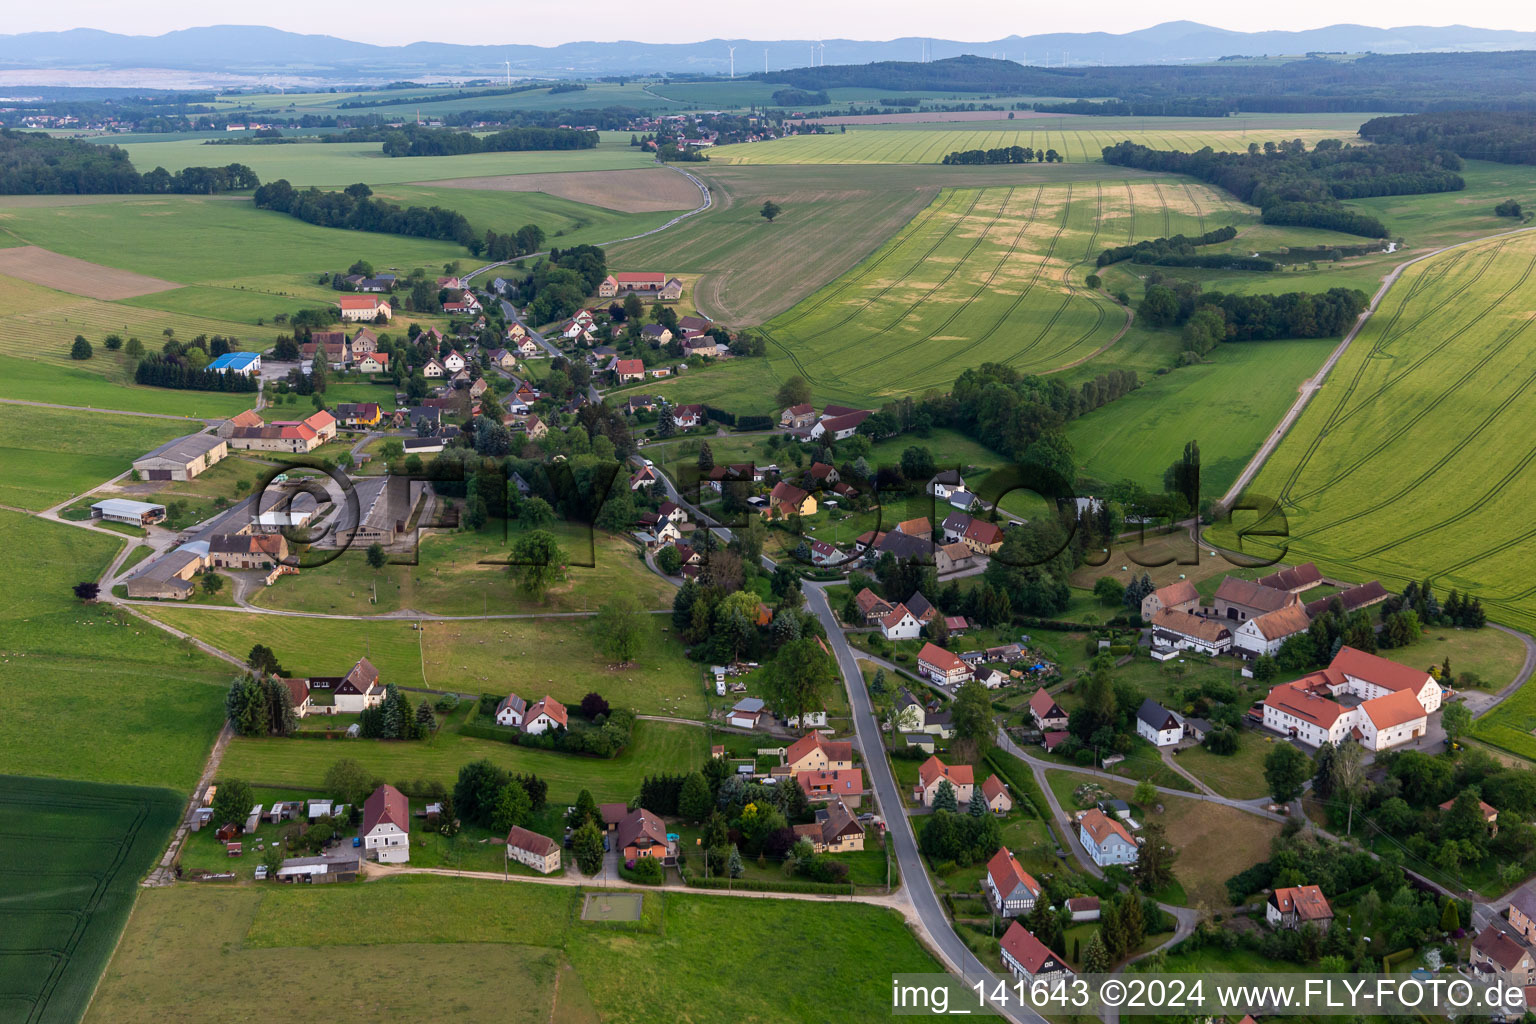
(342, 163)
(657, 747)
(451, 579)
(75, 852)
(1228, 404)
(53, 454)
(1403, 466)
(927, 145)
(522, 939)
(564, 222)
(83, 696)
(554, 656)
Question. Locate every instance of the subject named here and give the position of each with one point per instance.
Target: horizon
(964, 29)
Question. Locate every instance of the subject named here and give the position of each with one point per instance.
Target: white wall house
(387, 826)
(900, 624)
(1106, 840)
(1157, 725)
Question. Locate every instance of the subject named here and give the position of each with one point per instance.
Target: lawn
(83, 693)
(1214, 403)
(54, 454)
(457, 574)
(656, 747)
(82, 848)
(930, 144)
(1401, 468)
(1214, 842)
(523, 938)
(1239, 775)
(554, 656)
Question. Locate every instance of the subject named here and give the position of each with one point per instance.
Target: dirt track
(644, 190)
(78, 277)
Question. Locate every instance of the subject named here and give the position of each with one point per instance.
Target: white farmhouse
(387, 826)
(1157, 725)
(1106, 840)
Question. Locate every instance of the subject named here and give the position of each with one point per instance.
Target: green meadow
(524, 938)
(83, 848)
(53, 454)
(88, 695)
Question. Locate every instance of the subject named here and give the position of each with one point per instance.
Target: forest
(1297, 187)
(1400, 83)
(1506, 137)
(412, 141)
(354, 209)
(32, 164)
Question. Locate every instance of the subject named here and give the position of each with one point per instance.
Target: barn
(181, 459)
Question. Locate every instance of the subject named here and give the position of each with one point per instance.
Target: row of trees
(1294, 186)
(161, 371)
(489, 796)
(1504, 136)
(34, 163)
(1219, 316)
(353, 209)
(414, 141)
(1003, 155)
(1154, 248)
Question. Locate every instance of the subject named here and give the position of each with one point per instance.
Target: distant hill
(258, 50)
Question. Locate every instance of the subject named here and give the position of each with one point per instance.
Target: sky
(546, 23)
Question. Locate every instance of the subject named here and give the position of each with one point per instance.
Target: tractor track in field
(1163, 202)
(894, 247)
(1371, 397)
(1284, 495)
(952, 354)
(1199, 211)
(948, 276)
(1130, 198)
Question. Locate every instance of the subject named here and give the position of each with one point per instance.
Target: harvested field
(78, 277)
(921, 117)
(648, 190)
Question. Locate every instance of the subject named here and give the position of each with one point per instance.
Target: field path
(1310, 386)
(116, 412)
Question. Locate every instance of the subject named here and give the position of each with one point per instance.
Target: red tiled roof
(1397, 708)
(933, 769)
(522, 839)
(1387, 674)
(386, 805)
(983, 532)
(1300, 700)
(1499, 946)
(894, 616)
(939, 658)
(840, 781)
(1006, 873)
(1101, 826)
(1029, 952)
(1306, 901)
(834, 751)
(1210, 631)
(1304, 575)
(361, 302)
(551, 707)
(1042, 703)
(993, 788)
(1179, 592)
(628, 366)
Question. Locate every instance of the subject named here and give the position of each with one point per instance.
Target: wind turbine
(733, 60)
(765, 60)
(823, 48)
(509, 73)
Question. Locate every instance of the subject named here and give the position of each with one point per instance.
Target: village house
(1010, 889)
(645, 285)
(1242, 599)
(996, 795)
(945, 483)
(1394, 702)
(839, 427)
(373, 362)
(824, 554)
(900, 624)
(1498, 954)
(1297, 905)
(511, 710)
(1180, 596)
(247, 551)
(871, 606)
(503, 359)
(364, 342)
(643, 834)
(544, 716)
(1157, 725)
(835, 830)
(1185, 632)
(798, 417)
(933, 771)
(533, 850)
(357, 690)
(300, 436)
(1522, 911)
(357, 415)
(645, 477)
(433, 370)
(1295, 580)
(364, 307)
(386, 828)
(453, 362)
(181, 459)
(298, 696)
(332, 345)
(1105, 840)
(813, 753)
(787, 500)
(527, 347)
(703, 346)
(686, 417)
(942, 666)
(1028, 959)
(656, 334)
(1047, 714)
(846, 784)
(982, 537)
(1084, 908)
(1263, 634)
(626, 370)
